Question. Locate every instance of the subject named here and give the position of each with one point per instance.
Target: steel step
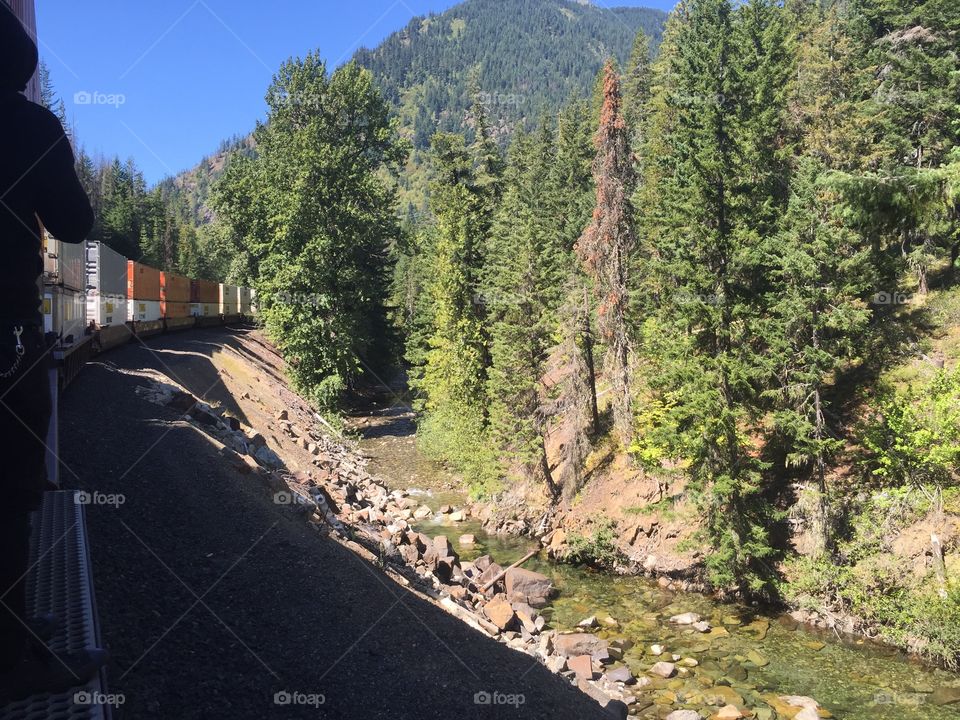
(60, 582)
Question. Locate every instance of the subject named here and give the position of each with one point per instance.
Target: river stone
(683, 715)
(582, 665)
(728, 712)
(579, 644)
(703, 626)
(529, 587)
(663, 669)
(468, 540)
(722, 695)
(614, 708)
(499, 612)
(945, 695)
(487, 575)
(757, 659)
(422, 512)
(688, 618)
(588, 623)
(621, 674)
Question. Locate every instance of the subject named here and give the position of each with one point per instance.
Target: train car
(246, 302)
(229, 303)
(64, 305)
(107, 305)
(175, 301)
(205, 302)
(143, 295)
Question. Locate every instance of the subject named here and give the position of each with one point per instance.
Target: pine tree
(452, 381)
(817, 316)
(607, 242)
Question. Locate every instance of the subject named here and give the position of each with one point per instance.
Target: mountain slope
(524, 56)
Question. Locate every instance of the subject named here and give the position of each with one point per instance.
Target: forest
(733, 267)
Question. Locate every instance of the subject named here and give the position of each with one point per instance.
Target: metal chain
(17, 332)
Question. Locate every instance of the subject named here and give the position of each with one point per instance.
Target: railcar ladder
(60, 583)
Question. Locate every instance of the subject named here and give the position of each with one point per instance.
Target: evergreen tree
(607, 242)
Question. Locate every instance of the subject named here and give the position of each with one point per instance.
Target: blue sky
(165, 82)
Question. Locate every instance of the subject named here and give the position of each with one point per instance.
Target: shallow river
(745, 657)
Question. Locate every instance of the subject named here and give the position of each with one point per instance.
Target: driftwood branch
(517, 564)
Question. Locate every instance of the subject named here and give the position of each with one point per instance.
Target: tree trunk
(587, 334)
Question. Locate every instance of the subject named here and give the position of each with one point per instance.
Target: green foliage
(865, 580)
(914, 435)
(314, 214)
(598, 549)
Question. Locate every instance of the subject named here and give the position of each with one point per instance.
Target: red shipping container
(174, 288)
(143, 282)
(204, 291)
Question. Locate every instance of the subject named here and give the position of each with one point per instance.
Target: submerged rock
(663, 669)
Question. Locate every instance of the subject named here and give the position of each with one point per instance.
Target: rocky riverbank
(322, 479)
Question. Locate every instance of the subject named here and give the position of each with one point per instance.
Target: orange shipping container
(204, 291)
(143, 282)
(175, 309)
(174, 288)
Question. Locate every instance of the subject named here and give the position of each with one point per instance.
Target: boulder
(468, 540)
(663, 669)
(443, 547)
(500, 613)
(458, 516)
(492, 570)
(445, 568)
(575, 644)
(410, 554)
(621, 674)
(582, 665)
(422, 512)
(688, 618)
(482, 563)
(590, 622)
(728, 712)
(614, 708)
(529, 587)
(267, 457)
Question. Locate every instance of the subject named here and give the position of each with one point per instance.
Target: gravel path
(213, 599)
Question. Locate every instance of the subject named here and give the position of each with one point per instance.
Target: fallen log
(517, 564)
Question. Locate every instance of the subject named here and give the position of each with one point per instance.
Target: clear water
(748, 656)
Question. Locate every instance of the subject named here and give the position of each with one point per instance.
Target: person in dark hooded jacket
(38, 184)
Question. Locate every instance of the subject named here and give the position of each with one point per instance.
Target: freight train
(94, 299)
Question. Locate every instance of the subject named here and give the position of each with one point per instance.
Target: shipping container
(229, 300)
(205, 309)
(144, 310)
(106, 270)
(174, 288)
(174, 309)
(205, 292)
(64, 313)
(64, 264)
(106, 310)
(143, 282)
(246, 305)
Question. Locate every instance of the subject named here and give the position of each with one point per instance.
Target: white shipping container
(107, 310)
(229, 299)
(144, 310)
(106, 270)
(64, 263)
(246, 295)
(64, 313)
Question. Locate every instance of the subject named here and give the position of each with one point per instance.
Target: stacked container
(205, 300)
(246, 301)
(229, 301)
(175, 300)
(64, 280)
(106, 285)
(143, 294)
